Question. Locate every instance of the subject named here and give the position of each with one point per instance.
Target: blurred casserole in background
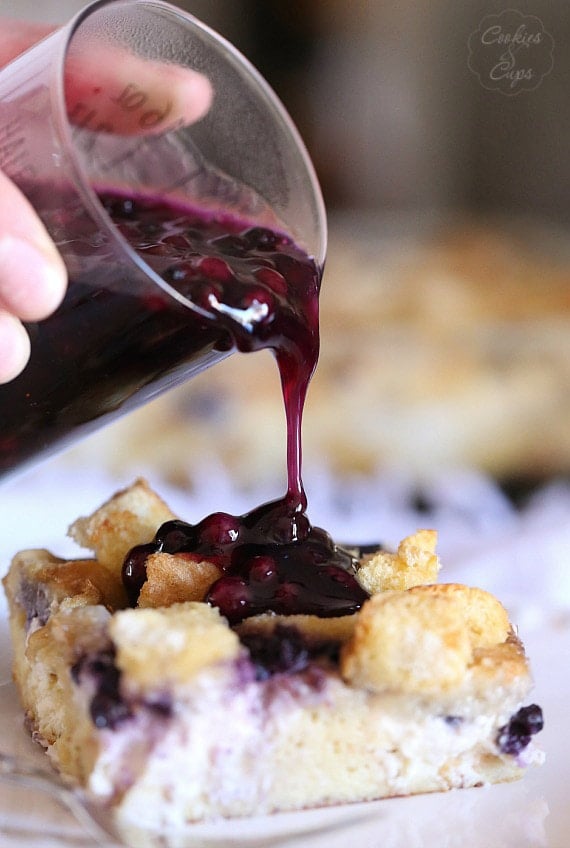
(443, 351)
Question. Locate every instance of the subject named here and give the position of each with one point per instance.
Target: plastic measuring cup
(137, 97)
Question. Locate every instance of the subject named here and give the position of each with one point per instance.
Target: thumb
(32, 277)
(32, 273)
(14, 347)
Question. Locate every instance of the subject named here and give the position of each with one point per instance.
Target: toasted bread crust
(131, 517)
(486, 619)
(414, 564)
(404, 642)
(172, 579)
(193, 636)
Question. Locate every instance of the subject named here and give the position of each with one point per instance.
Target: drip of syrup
(260, 290)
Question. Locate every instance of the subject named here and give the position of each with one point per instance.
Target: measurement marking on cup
(132, 98)
(14, 155)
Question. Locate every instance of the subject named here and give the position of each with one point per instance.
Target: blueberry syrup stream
(261, 291)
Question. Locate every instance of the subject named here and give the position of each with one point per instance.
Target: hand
(32, 273)
(102, 96)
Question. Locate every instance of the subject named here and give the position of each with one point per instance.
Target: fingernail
(32, 281)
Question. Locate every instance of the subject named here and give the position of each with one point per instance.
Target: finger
(123, 93)
(17, 36)
(14, 347)
(32, 273)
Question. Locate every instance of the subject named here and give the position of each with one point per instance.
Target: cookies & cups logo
(511, 52)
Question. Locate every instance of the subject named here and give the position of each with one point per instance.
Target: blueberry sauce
(272, 559)
(516, 735)
(261, 291)
(33, 598)
(107, 707)
(253, 284)
(286, 651)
